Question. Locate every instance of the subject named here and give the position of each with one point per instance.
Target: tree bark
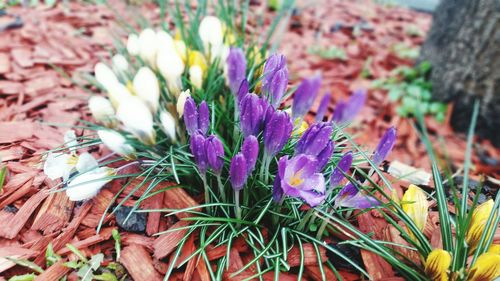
(463, 47)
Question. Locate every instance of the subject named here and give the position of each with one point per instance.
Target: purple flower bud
(305, 95)
(323, 107)
(385, 146)
(236, 68)
(350, 197)
(315, 139)
(342, 167)
(251, 114)
(277, 132)
(277, 190)
(191, 116)
(203, 118)
(243, 90)
(238, 171)
(215, 153)
(277, 87)
(250, 150)
(274, 63)
(197, 146)
(325, 155)
(346, 111)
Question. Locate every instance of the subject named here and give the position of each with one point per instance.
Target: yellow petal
(414, 203)
(486, 268)
(477, 224)
(196, 58)
(437, 264)
(494, 249)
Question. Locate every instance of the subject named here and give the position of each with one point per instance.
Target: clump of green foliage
(412, 91)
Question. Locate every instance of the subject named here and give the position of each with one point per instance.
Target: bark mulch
(34, 96)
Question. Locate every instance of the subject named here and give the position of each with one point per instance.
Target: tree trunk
(463, 47)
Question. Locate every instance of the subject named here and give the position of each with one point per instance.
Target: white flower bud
(164, 41)
(147, 88)
(181, 100)
(148, 47)
(87, 185)
(171, 68)
(102, 110)
(196, 76)
(137, 119)
(117, 93)
(120, 63)
(104, 75)
(210, 31)
(86, 163)
(168, 124)
(58, 165)
(117, 143)
(133, 45)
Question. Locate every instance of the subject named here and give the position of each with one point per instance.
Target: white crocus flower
(137, 119)
(117, 143)
(181, 100)
(104, 75)
(87, 185)
(164, 41)
(171, 67)
(103, 111)
(70, 140)
(120, 63)
(211, 33)
(133, 45)
(59, 165)
(148, 47)
(168, 124)
(196, 76)
(117, 93)
(147, 88)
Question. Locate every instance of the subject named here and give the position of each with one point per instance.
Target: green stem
(205, 187)
(266, 170)
(323, 225)
(221, 188)
(237, 209)
(305, 219)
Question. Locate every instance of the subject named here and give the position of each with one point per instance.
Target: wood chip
(54, 272)
(15, 131)
(139, 264)
(167, 242)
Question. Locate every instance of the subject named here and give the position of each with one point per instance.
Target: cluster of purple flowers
(298, 176)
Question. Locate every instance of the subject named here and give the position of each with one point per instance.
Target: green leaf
(3, 174)
(106, 276)
(50, 3)
(73, 264)
(116, 237)
(395, 93)
(24, 277)
(26, 263)
(77, 252)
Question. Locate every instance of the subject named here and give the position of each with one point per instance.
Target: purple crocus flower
(196, 119)
(215, 153)
(203, 118)
(346, 111)
(299, 179)
(277, 131)
(323, 107)
(277, 190)
(191, 116)
(342, 167)
(275, 79)
(250, 150)
(243, 90)
(236, 68)
(350, 197)
(238, 171)
(197, 146)
(385, 146)
(314, 139)
(305, 95)
(251, 113)
(325, 155)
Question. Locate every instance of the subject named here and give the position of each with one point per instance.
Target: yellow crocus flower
(494, 249)
(477, 224)
(437, 264)
(486, 268)
(414, 203)
(197, 58)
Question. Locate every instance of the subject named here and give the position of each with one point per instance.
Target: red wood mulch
(75, 37)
